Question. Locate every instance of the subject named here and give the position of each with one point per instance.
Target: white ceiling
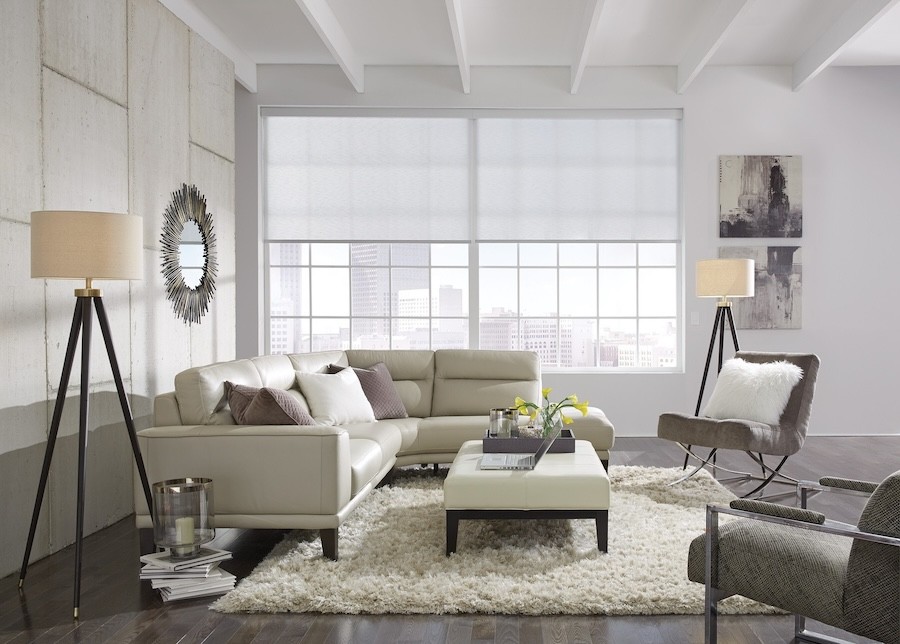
(808, 35)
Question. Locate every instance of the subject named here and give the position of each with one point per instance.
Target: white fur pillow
(335, 399)
(752, 391)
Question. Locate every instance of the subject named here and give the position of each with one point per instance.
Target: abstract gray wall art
(778, 285)
(760, 196)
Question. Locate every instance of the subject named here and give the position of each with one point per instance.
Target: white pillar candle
(184, 531)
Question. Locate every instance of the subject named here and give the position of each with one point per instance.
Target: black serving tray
(565, 444)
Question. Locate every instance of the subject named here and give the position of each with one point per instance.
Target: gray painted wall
(104, 105)
(844, 124)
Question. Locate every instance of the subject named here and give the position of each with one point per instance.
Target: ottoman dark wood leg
(452, 530)
(602, 530)
(329, 543)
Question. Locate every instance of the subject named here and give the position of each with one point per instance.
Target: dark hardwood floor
(116, 607)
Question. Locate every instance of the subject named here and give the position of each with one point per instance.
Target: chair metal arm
(829, 527)
(807, 488)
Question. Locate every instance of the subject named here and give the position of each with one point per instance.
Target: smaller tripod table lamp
(722, 279)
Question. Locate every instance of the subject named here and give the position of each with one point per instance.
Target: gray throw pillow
(265, 406)
(378, 386)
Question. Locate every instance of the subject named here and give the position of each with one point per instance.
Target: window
(557, 235)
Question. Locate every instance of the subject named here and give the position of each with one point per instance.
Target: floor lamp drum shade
(725, 278)
(68, 244)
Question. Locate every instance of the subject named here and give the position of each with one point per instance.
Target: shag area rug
(392, 557)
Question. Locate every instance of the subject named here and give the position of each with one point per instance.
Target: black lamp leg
(712, 343)
(54, 431)
(123, 401)
(87, 321)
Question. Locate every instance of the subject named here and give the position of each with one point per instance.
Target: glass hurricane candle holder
(183, 515)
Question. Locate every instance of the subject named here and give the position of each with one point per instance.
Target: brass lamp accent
(82, 245)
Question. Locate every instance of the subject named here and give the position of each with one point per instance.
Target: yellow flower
(545, 392)
(519, 402)
(572, 397)
(567, 420)
(582, 407)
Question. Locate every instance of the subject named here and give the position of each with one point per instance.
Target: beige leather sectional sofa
(314, 476)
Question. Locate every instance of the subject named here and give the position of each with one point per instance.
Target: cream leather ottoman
(562, 486)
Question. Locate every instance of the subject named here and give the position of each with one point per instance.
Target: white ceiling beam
(193, 17)
(454, 13)
(589, 22)
(855, 20)
(326, 24)
(707, 39)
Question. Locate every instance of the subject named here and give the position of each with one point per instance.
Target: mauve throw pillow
(265, 406)
(378, 386)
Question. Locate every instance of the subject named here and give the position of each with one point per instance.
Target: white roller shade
(358, 178)
(576, 179)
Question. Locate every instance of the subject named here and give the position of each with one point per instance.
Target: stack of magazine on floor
(183, 578)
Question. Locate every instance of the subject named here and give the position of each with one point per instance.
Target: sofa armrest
(595, 427)
(255, 469)
(165, 410)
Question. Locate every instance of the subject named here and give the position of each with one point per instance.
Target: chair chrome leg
(710, 611)
(685, 477)
(803, 635)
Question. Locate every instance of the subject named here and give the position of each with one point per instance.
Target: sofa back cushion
(471, 382)
(278, 372)
(412, 372)
(200, 391)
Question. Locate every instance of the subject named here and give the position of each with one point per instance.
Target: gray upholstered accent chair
(794, 559)
(755, 438)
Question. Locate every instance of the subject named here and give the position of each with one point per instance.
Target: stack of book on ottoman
(183, 578)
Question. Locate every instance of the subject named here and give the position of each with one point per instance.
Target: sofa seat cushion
(440, 434)
(384, 433)
(409, 431)
(365, 463)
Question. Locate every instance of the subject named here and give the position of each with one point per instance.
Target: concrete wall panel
(85, 40)
(20, 107)
(23, 368)
(158, 118)
(101, 122)
(85, 148)
(161, 343)
(213, 339)
(212, 98)
(60, 307)
(108, 468)
(19, 474)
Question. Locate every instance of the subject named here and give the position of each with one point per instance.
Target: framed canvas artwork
(778, 285)
(760, 196)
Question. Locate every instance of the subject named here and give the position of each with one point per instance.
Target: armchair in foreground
(795, 559)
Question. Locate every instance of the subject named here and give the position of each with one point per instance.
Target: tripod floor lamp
(722, 279)
(88, 246)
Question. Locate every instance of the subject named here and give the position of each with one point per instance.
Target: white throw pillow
(335, 399)
(752, 391)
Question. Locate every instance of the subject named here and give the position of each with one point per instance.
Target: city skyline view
(577, 305)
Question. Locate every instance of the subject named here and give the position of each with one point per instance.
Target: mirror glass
(190, 254)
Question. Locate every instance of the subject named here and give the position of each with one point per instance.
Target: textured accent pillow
(335, 399)
(378, 386)
(265, 406)
(752, 391)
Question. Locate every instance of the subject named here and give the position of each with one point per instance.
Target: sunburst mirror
(188, 254)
